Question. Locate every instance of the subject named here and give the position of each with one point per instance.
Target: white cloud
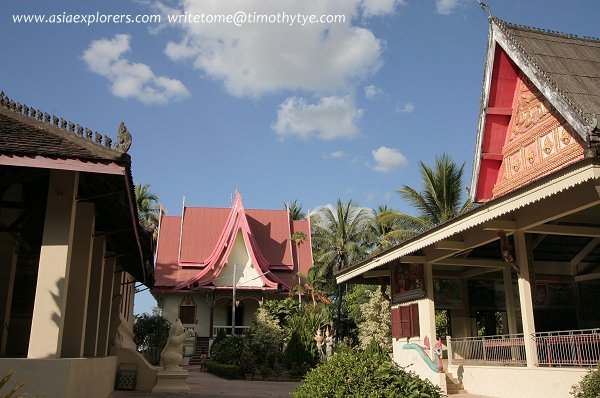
(380, 7)
(406, 108)
(387, 159)
(338, 155)
(129, 79)
(446, 7)
(260, 58)
(372, 91)
(330, 118)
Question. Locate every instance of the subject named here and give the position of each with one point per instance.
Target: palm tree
(388, 228)
(340, 235)
(295, 210)
(314, 285)
(340, 238)
(147, 206)
(441, 198)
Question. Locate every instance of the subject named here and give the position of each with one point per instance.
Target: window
(405, 321)
(187, 314)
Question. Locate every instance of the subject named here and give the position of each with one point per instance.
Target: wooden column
(47, 325)
(525, 296)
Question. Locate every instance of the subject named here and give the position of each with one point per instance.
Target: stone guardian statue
(171, 356)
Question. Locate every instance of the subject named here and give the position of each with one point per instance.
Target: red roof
(208, 235)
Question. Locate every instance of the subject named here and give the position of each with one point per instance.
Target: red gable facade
(536, 111)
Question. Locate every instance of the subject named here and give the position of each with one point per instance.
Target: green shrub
(589, 386)
(354, 373)
(265, 339)
(150, 333)
(224, 370)
(228, 350)
(297, 353)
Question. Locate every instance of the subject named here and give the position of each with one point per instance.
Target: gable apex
(563, 68)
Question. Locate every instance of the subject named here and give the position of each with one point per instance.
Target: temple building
(216, 266)
(518, 276)
(71, 253)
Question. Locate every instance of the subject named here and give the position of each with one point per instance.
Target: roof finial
(486, 7)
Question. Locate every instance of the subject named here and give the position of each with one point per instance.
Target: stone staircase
(201, 349)
(453, 386)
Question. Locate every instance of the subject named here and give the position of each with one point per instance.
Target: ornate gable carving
(538, 143)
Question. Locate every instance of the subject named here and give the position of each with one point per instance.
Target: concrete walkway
(206, 385)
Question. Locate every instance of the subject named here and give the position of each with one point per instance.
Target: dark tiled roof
(570, 64)
(27, 131)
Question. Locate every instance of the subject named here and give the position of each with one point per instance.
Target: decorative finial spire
(485, 7)
(123, 139)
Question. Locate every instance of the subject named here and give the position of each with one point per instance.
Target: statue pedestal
(171, 381)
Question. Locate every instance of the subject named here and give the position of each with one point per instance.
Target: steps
(201, 349)
(453, 386)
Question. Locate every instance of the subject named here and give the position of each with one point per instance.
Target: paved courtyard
(206, 385)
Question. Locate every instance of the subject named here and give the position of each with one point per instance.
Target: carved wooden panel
(538, 142)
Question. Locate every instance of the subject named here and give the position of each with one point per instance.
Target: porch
(570, 348)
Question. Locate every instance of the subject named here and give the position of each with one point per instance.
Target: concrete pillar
(106, 300)
(115, 313)
(94, 296)
(525, 296)
(47, 325)
(8, 265)
(509, 300)
(427, 309)
(78, 282)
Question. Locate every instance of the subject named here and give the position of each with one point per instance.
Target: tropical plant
(265, 338)
(14, 390)
(589, 386)
(340, 236)
(354, 298)
(314, 285)
(147, 206)
(441, 197)
(369, 373)
(295, 210)
(282, 309)
(228, 350)
(150, 333)
(389, 227)
(376, 326)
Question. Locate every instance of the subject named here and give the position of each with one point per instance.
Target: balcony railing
(239, 330)
(568, 348)
(563, 348)
(506, 349)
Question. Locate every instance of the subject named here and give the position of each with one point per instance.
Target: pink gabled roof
(208, 237)
(202, 227)
(271, 229)
(303, 250)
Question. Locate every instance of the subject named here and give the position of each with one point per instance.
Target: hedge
(223, 370)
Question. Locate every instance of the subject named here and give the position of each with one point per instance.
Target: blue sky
(314, 113)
